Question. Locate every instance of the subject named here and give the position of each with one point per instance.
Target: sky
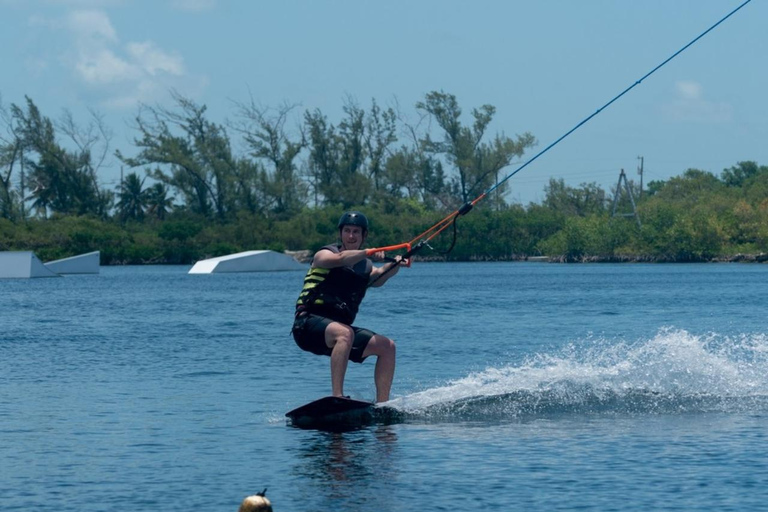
(545, 66)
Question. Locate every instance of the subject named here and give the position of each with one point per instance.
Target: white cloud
(100, 66)
(119, 73)
(689, 90)
(690, 105)
(153, 60)
(91, 25)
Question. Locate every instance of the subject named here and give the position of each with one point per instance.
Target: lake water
(526, 386)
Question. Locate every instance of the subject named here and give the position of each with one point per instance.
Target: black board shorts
(309, 333)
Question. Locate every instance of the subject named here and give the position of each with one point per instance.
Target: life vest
(335, 293)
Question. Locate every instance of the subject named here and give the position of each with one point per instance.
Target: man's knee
(391, 348)
(382, 346)
(339, 335)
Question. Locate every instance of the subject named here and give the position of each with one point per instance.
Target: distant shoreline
(738, 258)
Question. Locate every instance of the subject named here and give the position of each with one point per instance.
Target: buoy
(256, 503)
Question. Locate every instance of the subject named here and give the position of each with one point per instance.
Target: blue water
(525, 387)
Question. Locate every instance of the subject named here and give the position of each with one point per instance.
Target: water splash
(674, 372)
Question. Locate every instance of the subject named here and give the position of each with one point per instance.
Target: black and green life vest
(335, 293)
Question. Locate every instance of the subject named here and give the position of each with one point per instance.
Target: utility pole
(623, 178)
(640, 172)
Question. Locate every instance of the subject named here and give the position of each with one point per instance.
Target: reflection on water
(347, 471)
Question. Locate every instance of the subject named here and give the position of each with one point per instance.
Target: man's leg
(385, 351)
(339, 338)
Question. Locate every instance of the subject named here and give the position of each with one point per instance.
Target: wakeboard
(341, 413)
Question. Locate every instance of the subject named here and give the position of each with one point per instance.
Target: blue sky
(544, 65)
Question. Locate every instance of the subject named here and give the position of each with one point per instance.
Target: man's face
(352, 237)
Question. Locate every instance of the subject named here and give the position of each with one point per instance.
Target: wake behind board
(340, 413)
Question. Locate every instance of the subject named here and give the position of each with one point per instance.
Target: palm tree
(158, 202)
(133, 199)
(42, 196)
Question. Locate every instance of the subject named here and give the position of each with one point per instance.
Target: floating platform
(22, 265)
(87, 263)
(248, 261)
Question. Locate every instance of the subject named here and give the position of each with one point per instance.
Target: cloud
(100, 66)
(155, 61)
(91, 25)
(101, 59)
(690, 105)
(687, 90)
(119, 74)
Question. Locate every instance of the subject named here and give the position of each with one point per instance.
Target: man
(327, 306)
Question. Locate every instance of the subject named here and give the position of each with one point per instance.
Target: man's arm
(326, 258)
(380, 275)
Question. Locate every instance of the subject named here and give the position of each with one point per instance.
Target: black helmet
(353, 219)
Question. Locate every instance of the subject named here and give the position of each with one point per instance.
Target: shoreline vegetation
(482, 236)
(188, 194)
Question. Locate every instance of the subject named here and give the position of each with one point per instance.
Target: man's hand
(378, 256)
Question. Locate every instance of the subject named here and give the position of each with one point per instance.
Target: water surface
(526, 386)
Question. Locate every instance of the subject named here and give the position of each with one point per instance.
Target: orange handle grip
(374, 250)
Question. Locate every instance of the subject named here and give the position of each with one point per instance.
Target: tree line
(372, 156)
(279, 178)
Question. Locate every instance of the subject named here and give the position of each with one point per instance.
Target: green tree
(588, 198)
(269, 142)
(740, 173)
(477, 163)
(10, 155)
(413, 174)
(337, 157)
(159, 204)
(63, 181)
(380, 134)
(756, 188)
(581, 237)
(681, 231)
(132, 198)
(691, 187)
(199, 159)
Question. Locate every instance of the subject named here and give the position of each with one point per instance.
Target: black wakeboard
(341, 413)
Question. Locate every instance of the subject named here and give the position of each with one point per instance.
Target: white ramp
(248, 261)
(23, 264)
(87, 263)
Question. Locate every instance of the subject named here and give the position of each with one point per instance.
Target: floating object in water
(342, 413)
(87, 263)
(256, 503)
(248, 261)
(23, 264)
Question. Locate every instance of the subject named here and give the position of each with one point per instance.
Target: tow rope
(422, 240)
